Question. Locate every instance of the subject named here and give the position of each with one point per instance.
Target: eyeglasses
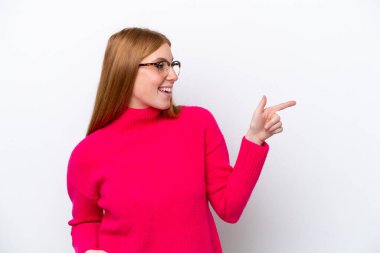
(163, 66)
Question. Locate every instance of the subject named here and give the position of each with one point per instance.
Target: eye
(160, 65)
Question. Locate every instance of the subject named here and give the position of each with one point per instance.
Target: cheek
(155, 81)
(146, 84)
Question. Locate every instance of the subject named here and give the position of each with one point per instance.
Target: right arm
(86, 214)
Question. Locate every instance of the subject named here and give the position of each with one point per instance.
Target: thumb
(261, 106)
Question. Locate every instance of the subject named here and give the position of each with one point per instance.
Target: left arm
(229, 188)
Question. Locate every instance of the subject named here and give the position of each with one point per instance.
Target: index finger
(282, 106)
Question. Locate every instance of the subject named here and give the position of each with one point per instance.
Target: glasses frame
(156, 64)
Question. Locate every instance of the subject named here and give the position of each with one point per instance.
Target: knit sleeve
(229, 188)
(86, 214)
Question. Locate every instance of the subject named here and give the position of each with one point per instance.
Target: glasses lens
(176, 65)
(163, 67)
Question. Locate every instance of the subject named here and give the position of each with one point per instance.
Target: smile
(166, 90)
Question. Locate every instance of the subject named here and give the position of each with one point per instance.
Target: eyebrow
(162, 59)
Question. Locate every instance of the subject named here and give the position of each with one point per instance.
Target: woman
(142, 178)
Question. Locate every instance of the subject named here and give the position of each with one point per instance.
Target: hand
(265, 122)
(95, 251)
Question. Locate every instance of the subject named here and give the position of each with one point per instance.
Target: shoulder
(83, 163)
(83, 166)
(85, 151)
(201, 118)
(198, 113)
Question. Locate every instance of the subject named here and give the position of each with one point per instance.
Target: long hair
(124, 52)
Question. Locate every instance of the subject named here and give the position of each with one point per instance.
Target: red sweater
(143, 183)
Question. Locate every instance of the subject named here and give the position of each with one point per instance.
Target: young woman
(142, 179)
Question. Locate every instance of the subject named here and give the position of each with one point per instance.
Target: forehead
(163, 52)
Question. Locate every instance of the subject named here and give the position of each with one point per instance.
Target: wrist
(253, 138)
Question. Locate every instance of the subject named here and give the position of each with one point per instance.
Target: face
(147, 90)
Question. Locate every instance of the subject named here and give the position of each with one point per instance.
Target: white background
(319, 190)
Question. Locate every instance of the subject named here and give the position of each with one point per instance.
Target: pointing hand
(265, 121)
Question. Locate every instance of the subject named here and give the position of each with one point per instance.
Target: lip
(165, 94)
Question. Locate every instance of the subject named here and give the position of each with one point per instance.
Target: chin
(162, 106)
(165, 107)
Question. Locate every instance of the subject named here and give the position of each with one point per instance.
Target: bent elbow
(230, 218)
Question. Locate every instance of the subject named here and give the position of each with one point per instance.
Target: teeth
(168, 90)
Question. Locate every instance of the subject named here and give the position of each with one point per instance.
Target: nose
(172, 76)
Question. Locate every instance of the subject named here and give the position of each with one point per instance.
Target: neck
(137, 117)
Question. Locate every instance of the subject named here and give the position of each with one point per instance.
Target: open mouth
(166, 90)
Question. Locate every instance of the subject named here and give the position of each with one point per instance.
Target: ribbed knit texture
(143, 183)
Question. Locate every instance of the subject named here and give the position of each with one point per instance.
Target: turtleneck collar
(137, 116)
